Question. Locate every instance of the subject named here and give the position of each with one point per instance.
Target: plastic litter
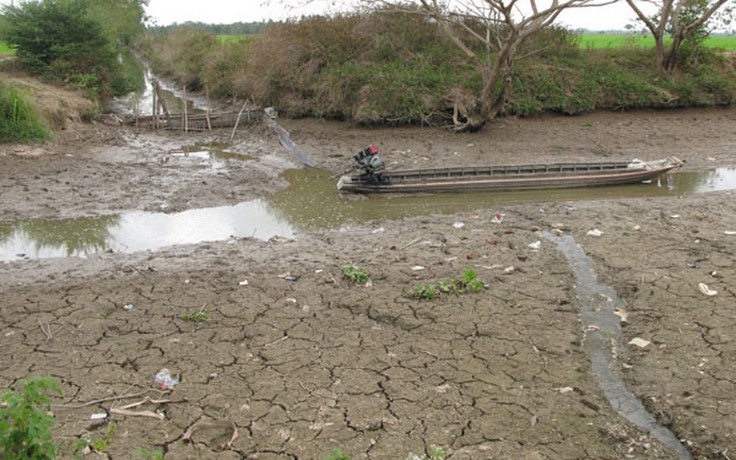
(458, 225)
(416, 268)
(243, 283)
(128, 306)
(378, 230)
(594, 232)
(100, 416)
(165, 379)
(498, 218)
(621, 313)
(706, 290)
(730, 232)
(639, 342)
(535, 245)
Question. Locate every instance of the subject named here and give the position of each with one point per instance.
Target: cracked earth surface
(299, 368)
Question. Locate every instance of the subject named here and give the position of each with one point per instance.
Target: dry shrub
(182, 55)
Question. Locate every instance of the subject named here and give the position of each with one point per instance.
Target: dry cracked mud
(293, 369)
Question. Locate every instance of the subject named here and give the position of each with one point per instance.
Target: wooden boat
(508, 177)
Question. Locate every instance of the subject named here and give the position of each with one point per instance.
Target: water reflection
(62, 238)
(311, 202)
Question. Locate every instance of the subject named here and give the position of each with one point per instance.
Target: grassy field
(5, 49)
(723, 42)
(235, 38)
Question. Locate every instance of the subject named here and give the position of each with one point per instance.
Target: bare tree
(681, 19)
(499, 27)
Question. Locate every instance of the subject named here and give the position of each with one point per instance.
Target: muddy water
(311, 202)
(597, 303)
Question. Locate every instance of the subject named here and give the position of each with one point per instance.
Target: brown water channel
(310, 202)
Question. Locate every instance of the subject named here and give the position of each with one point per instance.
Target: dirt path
(300, 368)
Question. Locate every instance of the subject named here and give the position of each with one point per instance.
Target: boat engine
(368, 160)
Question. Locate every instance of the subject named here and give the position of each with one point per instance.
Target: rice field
(723, 42)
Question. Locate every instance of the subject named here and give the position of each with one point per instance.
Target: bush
(18, 120)
(25, 425)
(60, 40)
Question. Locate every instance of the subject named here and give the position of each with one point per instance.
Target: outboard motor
(368, 160)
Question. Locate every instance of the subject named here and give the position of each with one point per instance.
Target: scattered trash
(592, 328)
(417, 268)
(458, 225)
(594, 232)
(290, 277)
(509, 270)
(637, 227)
(706, 290)
(730, 232)
(639, 342)
(498, 218)
(565, 390)
(675, 216)
(166, 380)
(100, 416)
(621, 313)
(693, 265)
(243, 283)
(378, 230)
(186, 281)
(128, 306)
(535, 245)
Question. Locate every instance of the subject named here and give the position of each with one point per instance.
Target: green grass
(724, 42)
(5, 49)
(18, 119)
(236, 38)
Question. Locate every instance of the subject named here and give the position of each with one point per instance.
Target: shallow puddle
(311, 202)
(597, 303)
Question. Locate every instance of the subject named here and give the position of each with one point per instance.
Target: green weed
(467, 284)
(199, 316)
(337, 454)
(102, 444)
(154, 454)
(435, 453)
(18, 119)
(355, 274)
(25, 425)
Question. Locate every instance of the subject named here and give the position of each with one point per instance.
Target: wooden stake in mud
(155, 105)
(207, 114)
(232, 134)
(184, 103)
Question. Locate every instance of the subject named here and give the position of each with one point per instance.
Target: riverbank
(300, 361)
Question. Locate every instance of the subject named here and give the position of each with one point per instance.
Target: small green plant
(355, 274)
(468, 284)
(435, 453)
(25, 425)
(337, 454)
(18, 119)
(199, 316)
(101, 445)
(154, 454)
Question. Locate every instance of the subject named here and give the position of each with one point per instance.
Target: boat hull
(508, 178)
